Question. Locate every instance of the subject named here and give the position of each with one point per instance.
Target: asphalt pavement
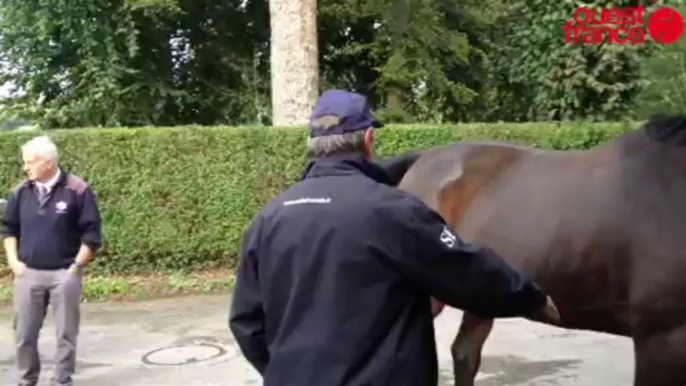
(185, 341)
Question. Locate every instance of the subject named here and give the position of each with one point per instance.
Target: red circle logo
(666, 26)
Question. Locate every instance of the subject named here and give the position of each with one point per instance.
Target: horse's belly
(564, 239)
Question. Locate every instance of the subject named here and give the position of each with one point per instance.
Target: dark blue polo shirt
(50, 235)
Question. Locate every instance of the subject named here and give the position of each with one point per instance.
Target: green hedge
(180, 198)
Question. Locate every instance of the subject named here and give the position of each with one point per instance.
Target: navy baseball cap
(352, 109)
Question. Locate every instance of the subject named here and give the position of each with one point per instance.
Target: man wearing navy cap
(336, 274)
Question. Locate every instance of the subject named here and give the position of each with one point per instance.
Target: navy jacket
(335, 279)
(50, 234)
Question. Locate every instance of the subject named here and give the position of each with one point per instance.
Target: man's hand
(547, 314)
(18, 268)
(75, 270)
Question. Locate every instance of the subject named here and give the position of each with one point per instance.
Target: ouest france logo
(624, 26)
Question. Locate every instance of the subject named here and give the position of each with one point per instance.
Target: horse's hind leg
(661, 359)
(466, 348)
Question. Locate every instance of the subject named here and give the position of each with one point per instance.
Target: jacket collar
(343, 165)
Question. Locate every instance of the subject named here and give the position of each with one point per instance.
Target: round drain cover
(183, 354)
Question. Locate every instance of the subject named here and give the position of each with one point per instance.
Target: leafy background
(113, 63)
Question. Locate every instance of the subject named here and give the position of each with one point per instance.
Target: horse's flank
(601, 230)
(568, 218)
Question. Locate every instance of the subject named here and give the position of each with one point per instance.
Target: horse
(601, 230)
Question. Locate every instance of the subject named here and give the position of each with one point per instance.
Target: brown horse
(603, 231)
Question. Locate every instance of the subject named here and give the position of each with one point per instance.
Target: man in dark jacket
(336, 275)
(51, 230)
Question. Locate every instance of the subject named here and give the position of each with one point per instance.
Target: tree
(130, 62)
(542, 77)
(665, 73)
(418, 60)
(294, 60)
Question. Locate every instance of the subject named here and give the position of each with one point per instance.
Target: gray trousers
(34, 290)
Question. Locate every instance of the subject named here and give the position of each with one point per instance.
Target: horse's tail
(397, 166)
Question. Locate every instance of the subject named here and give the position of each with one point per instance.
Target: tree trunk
(294, 61)
(400, 17)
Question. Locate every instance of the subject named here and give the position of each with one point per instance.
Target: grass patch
(119, 288)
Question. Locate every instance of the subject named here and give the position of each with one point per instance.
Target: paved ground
(132, 344)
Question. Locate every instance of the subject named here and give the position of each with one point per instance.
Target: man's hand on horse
(547, 314)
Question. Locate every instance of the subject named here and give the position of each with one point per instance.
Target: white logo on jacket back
(447, 237)
(308, 200)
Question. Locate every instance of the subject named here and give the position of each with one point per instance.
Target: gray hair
(349, 143)
(42, 147)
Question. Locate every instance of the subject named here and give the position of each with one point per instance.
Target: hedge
(180, 198)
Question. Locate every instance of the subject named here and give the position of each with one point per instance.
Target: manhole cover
(183, 354)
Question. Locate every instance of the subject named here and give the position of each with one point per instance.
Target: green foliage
(419, 60)
(180, 198)
(542, 77)
(116, 63)
(497, 60)
(665, 73)
(129, 62)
